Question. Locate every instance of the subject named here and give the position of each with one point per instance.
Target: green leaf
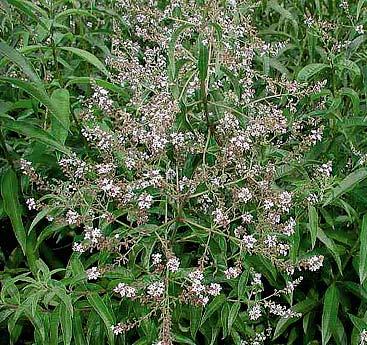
(40, 215)
(54, 327)
(313, 220)
(30, 9)
(224, 314)
(25, 128)
(105, 314)
(181, 339)
(172, 47)
(358, 323)
(195, 320)
(330, 313)
(353, 96)
(346, 185)
(66, 324)
(9, 193)
(60, 126)
(87, 56)
(309, 71)
(330, 244)
(79, 337)
(213, 306)
(303, 307)
(285, 14)
(363, 251)
(233, 312)
(38, 92)
(102, 83)
(203, 61)
(359, 8)
(17, 58)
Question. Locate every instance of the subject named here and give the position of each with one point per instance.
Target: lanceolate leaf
(25, 128)
(9, 193)
(39, 93)
(235, 308)
(203, 61)
(87, 56)
(17, 58)
(66, 324)
(330, 244)
(330, 313)
(105, 314)
(363, 251)
(213, 306)
(346, 185)
(309, 71)
(60, 126)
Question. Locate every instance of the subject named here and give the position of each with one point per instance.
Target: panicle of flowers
(73, 166)
(72, 217)
(156, 289)
(173, 264)
(280, 310)
(232, 272)
(255, 312)
(314, 263)
(325, 169)
(31, 204)
(93, 273)
(28, 170)
(125, 290)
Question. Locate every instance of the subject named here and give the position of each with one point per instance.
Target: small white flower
(31, 204)
(315, 262)
(247, 218)
(156, 258)
(220, 217)
(50, 218)
(249, 241)
(156, 289)
(359, 29)
(93, 273)
(232, 272)
(244, 195)
(196, 276)
(72, 217)
(214, 289)
(78, 247)
(255, 312)
(125, 290)
(145, 201)
(173, 264)
(256, 279)
(117, 329)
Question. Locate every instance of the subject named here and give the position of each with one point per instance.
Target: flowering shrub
(189, 187)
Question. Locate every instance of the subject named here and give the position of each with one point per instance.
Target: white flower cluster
(232, 272)
(125, 290)
(173, 264)
(201, 291)
(156, 289)
(93, 273)
(31, 204)
(72, 217)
